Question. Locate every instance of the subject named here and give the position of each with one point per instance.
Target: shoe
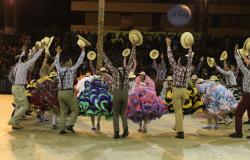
(16, 126)
(247, 122)
(229, 122)
(236, 135)
(93, 129)
(125, 133)
(140, 130)
(217, 126)
(70, 129)
(62, 132)
(248, 137)
(180, 135)
(54, 126)
(116, 135)
(208, 127)
(98, 127)
(144, 130)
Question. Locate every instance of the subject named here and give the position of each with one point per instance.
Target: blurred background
(216, 24)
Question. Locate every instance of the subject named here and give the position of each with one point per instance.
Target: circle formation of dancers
(113, 92)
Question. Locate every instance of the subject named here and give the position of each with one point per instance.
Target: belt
(66, 89)
(179, 87)
(22, 85)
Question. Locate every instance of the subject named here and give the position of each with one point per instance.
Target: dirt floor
(40, 142)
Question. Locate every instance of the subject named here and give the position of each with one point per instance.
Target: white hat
(103, 69)
(194, 77)
(223, 56)
(169, 78)
(200, 80)
(213, 78)
(210, 62)
(131, 75)
(142, 73)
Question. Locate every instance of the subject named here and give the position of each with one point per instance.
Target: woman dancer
(141, 108)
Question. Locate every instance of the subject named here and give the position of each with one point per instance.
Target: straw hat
(135, 37)
(169, 78)
(194, 77)
(126, 52)
(247, 44)
(154, 54)
(53, 74)
(142, 73)
(87, 74)
(38, 44)
(82, 42)
(91, 55)
(187, 40)
(131, 75)
(50, 41)
(243, 52)
(210, 62)
(223, 56)
(45, 40)
(103, 69)
(213, 78)
(200, 80)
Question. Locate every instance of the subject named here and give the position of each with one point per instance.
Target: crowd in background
(114, 44)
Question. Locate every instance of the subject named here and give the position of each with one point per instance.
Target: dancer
(121, 84)
(141, 108)
(66, 98)
(160, 69)
(94, 99)
(245, 101)
(218, 99)
(181, 75)
(18, 90)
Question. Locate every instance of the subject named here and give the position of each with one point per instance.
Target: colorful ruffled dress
(143, 103)
(192, 102)
(216, 97)
(95, 100)
(43, 93)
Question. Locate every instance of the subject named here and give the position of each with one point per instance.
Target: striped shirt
(160, 72)
(69, 72)
(245, 72)
(181, 74)
(229, 76)
(21, 69)
(116, 73)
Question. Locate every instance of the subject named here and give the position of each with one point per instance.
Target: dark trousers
(240, 110)
(120, 102)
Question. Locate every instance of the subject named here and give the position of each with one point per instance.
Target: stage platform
(40, 142)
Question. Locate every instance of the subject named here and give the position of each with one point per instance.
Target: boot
(116, 135)
(125, 133)
(180, 135)
(70, 129)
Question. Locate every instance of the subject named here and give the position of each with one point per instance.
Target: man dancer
(181, 75)
(120, 91)
(245, 101)
(18, 90)
(66, 96)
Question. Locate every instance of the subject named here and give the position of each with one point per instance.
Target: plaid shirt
(229, 76)
(117, 80)
(245, 72)
(181, 74)
(70, 74)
